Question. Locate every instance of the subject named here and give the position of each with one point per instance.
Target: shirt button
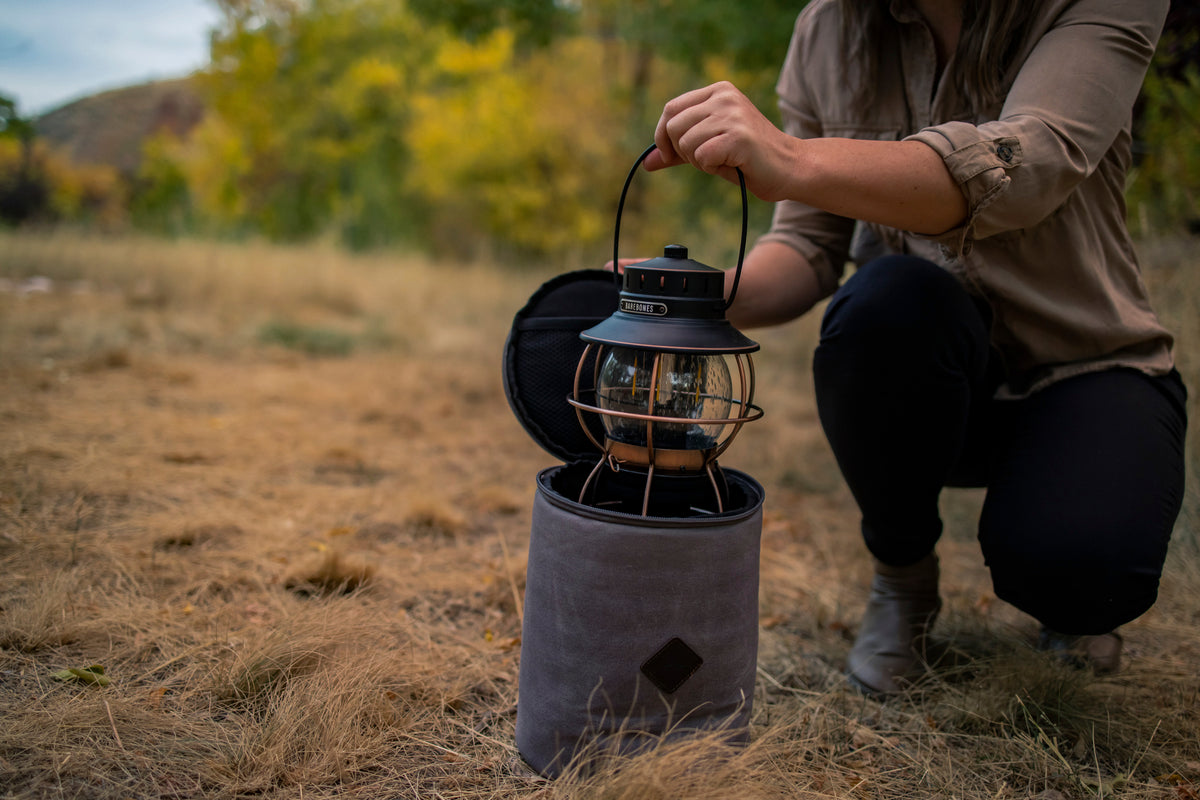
(1005, 153)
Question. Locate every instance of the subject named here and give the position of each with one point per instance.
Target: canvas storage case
(636, 628)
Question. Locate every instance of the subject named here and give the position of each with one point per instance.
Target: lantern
(641, 602)
(663, 387)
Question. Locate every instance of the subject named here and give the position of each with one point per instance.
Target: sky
(55, 51)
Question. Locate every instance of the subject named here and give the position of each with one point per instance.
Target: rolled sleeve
(808, 79)
(980, 166)
(1067, 106)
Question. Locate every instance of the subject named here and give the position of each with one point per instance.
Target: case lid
(542, 353)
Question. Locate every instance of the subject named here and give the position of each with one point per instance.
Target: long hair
(991, 34)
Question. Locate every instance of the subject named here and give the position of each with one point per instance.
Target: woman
(999, 333)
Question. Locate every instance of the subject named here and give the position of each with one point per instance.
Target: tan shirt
(1045, 241)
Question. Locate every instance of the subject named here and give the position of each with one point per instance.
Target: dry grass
(300, 563)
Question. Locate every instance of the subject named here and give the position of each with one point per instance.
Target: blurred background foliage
(1164, 188)
(486, 129)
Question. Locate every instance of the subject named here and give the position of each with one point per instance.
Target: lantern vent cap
(673, 304)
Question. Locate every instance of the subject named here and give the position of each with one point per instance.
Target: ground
(278, 496)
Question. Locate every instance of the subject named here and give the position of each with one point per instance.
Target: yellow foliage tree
(310, 108)
(362, 119)
(518, 148)
(44, 186)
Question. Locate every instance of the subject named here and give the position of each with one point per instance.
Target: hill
(109, 128)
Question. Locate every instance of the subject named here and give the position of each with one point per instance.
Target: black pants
(1084, 478)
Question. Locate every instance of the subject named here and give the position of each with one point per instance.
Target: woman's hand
(903, 184)
(623, 263)
(718, 129)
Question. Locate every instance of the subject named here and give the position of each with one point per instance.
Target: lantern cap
(672, 304)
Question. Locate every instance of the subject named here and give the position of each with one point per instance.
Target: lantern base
(672, 494)
(665, 459)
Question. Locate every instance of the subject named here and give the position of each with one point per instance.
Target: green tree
(162, 200)
(535, 22)
(23, 190)
(1164, 189)
(316, 100)
(12, 124)
(502, 126)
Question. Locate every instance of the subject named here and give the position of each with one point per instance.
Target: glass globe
(689, 386)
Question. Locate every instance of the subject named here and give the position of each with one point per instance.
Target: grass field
(278, 497)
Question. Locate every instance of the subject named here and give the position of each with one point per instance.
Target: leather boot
(890, 647)
(1101, 652)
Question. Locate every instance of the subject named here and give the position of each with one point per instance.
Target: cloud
(54, 51)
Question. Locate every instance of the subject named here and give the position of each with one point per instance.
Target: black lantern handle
(737, 275)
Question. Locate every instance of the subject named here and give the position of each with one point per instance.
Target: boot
(1101, 653)
(890, 648)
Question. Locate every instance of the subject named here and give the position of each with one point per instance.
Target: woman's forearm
(898, 184)
(901, 185)
(777, 285)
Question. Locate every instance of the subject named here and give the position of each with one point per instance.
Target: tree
(24, 193)
(535, 23)
(515, 149)
(462, 124)
(313, 107)
(1164, 190)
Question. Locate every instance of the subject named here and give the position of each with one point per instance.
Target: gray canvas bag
(635, 628)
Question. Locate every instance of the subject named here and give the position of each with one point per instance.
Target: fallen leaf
(93, 675)
(1172, 779)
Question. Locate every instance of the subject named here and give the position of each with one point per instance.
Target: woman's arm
(777, 285)
(903, 185)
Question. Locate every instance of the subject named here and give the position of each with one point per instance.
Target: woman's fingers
(623, 263)
(718, 130)
(679, 115)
